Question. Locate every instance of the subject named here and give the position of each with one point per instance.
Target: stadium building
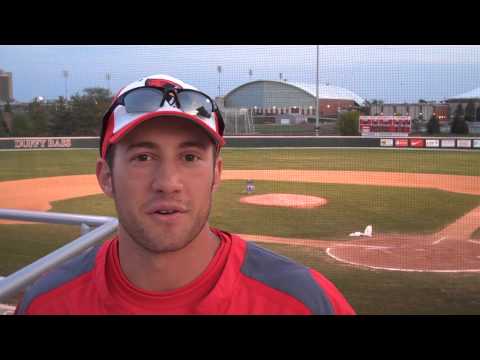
(463, 100)
(469, 102)
(420, 110)
(6, 87)
(289, 103)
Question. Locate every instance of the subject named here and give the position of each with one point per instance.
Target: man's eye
(142, 157)
(191, 157)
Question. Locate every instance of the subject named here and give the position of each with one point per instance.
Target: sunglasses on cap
(162, 98)
(148, 99)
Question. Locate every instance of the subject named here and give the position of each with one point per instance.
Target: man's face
(162, 180)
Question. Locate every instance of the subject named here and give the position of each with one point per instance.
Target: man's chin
(162, 243)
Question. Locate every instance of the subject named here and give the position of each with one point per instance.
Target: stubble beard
(158, 240)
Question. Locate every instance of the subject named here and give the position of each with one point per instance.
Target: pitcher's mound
(285, 200)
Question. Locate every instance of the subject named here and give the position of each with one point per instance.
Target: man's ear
(104, 177)
(217, 174)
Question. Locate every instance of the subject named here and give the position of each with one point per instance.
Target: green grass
(20, 245)
(31, 164)
(369, 291)
(349, 208)
(392, 292)
(476, 234)
(412, 161)
(278, 129)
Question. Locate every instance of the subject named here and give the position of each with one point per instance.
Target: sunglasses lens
(143, 100)
(195, 103)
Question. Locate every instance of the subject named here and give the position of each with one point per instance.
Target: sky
(388, 73)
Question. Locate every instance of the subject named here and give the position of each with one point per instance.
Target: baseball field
(423, 257)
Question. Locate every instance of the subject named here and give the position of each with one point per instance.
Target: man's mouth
(166, 212)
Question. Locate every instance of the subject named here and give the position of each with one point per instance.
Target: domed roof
(473, 94)
(326, 91)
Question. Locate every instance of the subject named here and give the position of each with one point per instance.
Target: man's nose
(167, 178)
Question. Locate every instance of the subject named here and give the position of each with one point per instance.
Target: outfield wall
(463, 143)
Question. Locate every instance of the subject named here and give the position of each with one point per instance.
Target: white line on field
(370, 247)
(399, 269)
(437, 241)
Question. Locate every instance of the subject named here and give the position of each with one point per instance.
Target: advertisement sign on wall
(462, 143)
(401, 142)
(36, 143)
(386, 142)
(386, 125)
(448, 143)
(417, 143)
(432, 143)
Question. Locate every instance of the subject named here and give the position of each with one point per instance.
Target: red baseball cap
(159, 96)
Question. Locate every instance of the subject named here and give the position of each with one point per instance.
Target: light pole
(316, 108)
(108, 77)
(65, 75)
(219, 69)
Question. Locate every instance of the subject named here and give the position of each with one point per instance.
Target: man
(160, 162)
(250, 187)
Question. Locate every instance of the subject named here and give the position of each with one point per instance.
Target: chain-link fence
(238, 122)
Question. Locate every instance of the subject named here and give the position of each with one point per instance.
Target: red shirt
(242, 278)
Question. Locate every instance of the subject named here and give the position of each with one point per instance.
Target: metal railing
(14, 283)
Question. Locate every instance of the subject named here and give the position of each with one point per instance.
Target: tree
(6, 118)
(22, 126)
(459, 112)
(470, 111)
(88, 109)
(421, 101)
(7, 108)
(347, 123)
(376, 103)
(3, 125)
(365, 108)
(433, 126)
(459, 126)
(38, 115)
(60, 122)
(101, 94)
(417, 124)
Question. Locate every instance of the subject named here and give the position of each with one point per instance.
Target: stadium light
(219, 69)
(65, 75)
(108, 77)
